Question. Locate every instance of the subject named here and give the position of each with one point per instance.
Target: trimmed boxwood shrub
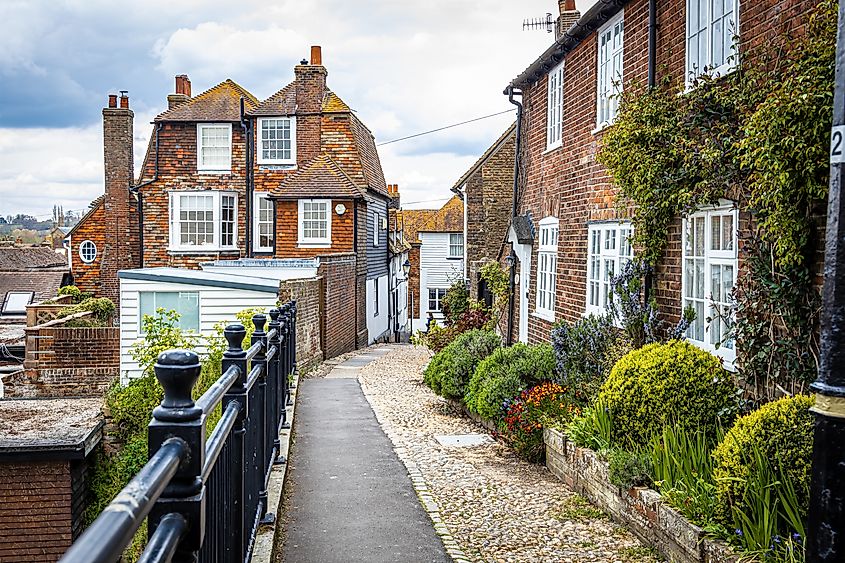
(102, 307)
(673, 383)
(449, 371)
(782, 431)
(506, 372)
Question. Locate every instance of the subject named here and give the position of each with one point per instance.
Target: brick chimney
(310, 80)
(568, 16)
(183, 92)
(119, 250)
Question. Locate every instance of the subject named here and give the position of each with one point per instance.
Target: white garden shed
(202, 298)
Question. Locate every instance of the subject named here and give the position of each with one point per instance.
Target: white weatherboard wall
(437, 270)
(216, 304)
(377, 324)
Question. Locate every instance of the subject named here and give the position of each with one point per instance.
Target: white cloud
(405, 67)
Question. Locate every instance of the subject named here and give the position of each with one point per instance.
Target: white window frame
(610, 70)
(608, 250)
(554, 108)
(260, 140)
(711, 257)
(82, 253)
(439, 294)
(210, 168)
(705, 39)
(546, 290)
(456, 245)
(181, 315)
(314, 242)
(217, 222)
(258, 223)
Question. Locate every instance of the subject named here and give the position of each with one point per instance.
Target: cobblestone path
(485, 503)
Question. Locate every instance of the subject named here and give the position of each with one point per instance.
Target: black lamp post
(826, 522)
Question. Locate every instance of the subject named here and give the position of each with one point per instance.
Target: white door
(523, 254)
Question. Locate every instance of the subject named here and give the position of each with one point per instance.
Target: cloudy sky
(404, 66)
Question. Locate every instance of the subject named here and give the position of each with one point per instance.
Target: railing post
(275, 377)
(235, 356)
(264, 441)
(177, 417)
(294, 369)
(285, 310)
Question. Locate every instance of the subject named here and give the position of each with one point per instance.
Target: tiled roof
(28, 258)
(92, 207)
(333, 104)
(447, 219)
(219, 103)
(282, 102)
(322, 177)
(487, 154)
(412, 219)
(370, 163)
(43, 283)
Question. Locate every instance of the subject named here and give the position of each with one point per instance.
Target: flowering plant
(528, 412)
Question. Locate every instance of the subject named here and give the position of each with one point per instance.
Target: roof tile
(322, 177)
(219, 103)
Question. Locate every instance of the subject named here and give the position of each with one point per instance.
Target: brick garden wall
(308, 294)
(569, 183)
(41, 507)
(67, 362)
(339, 319)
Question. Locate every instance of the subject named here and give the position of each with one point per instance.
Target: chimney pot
(124, 99)
(183, 85)
(112, 100)
(316, 55)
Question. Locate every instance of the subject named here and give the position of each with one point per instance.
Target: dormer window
(214, 147)
(277, 140)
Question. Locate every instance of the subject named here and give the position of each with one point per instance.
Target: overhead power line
(446, 127)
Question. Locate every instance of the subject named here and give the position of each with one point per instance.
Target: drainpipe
(652, 81)
(249, 183)
(137, 191)
(512, 277)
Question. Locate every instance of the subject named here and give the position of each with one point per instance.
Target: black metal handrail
(204, 499)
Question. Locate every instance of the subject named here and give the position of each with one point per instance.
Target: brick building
(570, 237)
(487, 192)
(227, 176)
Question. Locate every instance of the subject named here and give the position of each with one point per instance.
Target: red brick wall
(339, 318)
(40, 510)
(570, 180)
(488, 198)
(178, 171)
(309, 318)
(287, 230)
(67, 362)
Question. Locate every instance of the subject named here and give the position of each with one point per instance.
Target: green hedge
(673, 383)
(506, 372)
(450, 370)
(782, 431)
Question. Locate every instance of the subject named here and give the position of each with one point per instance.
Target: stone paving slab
(350, 498)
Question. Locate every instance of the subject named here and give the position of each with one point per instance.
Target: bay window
(203, 221)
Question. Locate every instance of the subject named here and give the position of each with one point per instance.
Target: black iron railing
(205, 498)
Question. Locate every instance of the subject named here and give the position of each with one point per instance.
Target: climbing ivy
(757, 136)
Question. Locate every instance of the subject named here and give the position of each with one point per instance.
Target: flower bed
(638, 508)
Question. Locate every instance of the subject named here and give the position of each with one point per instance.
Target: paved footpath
(349, 497)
